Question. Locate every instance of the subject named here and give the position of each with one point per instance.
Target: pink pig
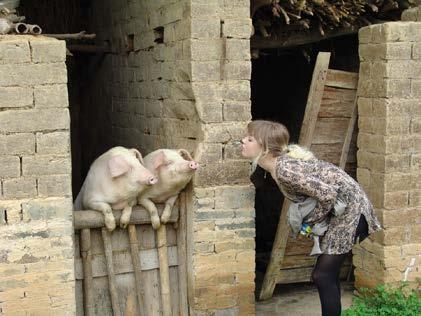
(113, 182)
(174, 168)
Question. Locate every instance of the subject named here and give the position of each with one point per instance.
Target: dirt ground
(299, 299)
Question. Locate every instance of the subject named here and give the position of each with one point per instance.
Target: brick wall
(389, 153)
(36, 249)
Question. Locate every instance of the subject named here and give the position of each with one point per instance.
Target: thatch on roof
(294, 22)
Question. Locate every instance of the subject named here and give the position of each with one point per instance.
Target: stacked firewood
(275, 17)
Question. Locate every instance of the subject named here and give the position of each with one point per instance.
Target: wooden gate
(328, 130)
(134, 271)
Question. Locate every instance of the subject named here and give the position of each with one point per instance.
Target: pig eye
(168, 163)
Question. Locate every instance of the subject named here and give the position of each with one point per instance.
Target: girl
(300, 175)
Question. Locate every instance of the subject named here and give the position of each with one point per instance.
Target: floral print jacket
(325, 182)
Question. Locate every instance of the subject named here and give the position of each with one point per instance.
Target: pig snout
(193, 165)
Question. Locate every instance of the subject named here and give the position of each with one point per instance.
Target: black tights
(326, 276)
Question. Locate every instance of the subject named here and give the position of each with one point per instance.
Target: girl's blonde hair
(274, 138)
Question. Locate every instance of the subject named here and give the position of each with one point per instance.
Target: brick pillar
(389, 155)
(222, 221)
(36, 228)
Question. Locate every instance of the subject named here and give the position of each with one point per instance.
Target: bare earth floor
(300, 299)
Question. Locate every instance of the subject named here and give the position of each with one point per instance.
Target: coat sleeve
(294, 175)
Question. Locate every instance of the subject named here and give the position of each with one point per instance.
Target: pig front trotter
(156, 223)
(109, 221)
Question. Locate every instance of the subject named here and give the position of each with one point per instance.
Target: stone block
(205, 10)
(32, 74)
(48, 50)
(391, 125)
(34, 120)
(206, 49)
(398, 217)
(237, 28)
(237, 49)
(224, 132)
(411, 14)
(17, 144)
(232, 151)
(207, 91)
(205, 27)
(14, 50)
(51, 96)
(364, 178)
(391, 32)
(206, 71)
(10, 167)
(236, 90)
(385, 51)
(209, 153)
(16, 97)
(365, 35)
(394, 107)
(19, 188)
(201, 193)
(209, 112)
(234, 197)
(40, 165)
(51, 208)
(53, 143)
(415, 32)
(55, 185)
(415, 198)
(416, 50)
(236, 70)
(416, 88)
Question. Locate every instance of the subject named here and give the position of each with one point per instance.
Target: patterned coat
(298, 179)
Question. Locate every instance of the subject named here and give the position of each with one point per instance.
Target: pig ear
(185, 154)
(118, 166)
(138, 155)
(160, 159)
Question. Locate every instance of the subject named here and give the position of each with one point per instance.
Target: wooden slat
(342, 79)
(306, 136)
(348, 137)
(164, 272)
(94, 219)
(122, 262)
(151, 277)
(314, 99)
(182, 253)
(279, 244)
(174, 282)
(85, 245)
(134, 247)
(330, 130)
(110, 268)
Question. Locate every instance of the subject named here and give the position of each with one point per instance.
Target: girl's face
(250, 147)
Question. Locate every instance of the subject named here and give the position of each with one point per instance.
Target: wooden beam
(314, 99)
(86, 48)
(301, 38)
(95, 219)
(80, 35)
